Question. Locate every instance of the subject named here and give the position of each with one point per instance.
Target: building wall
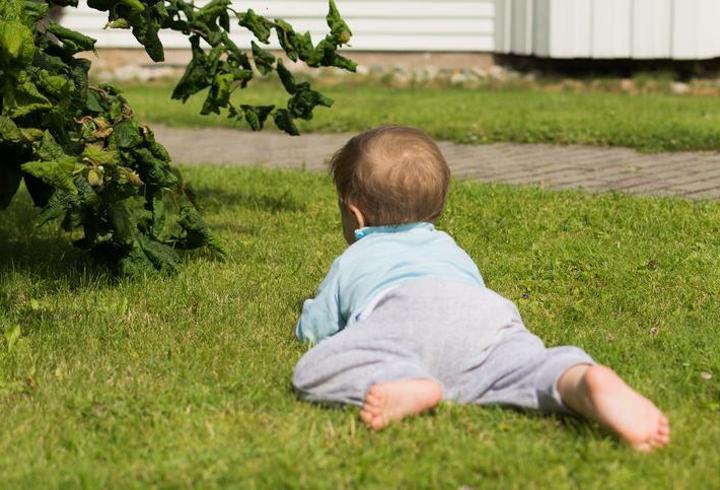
(639, 29)
(398, 25)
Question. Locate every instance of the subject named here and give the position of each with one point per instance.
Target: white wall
(398, 25)
(640, 29)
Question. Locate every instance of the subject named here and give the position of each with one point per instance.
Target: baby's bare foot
(395, 400)
(624, 411)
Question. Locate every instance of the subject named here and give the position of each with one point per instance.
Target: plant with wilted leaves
(86, 161)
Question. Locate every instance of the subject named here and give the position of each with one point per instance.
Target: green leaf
(284, 121)
(196, 76)
(79, 74)
(258, 25)
(55, 208)
(72, 41)
(339, 30)
(224, 21)
(127, 134)
(48, 149)
(94, 101)
(133, 262)
(163, 258)
(295, 45)
(22, 97)
(159, 214)
(158, 150)
(102, 5)
(122, 221)
(286, 77)
(87, 197)
(195, 232)
(31, 135)
(34, 11)
(255, 115)
(134, 5)
(9, 132)
(325, 54)
(344, 63)
(263, 58)
(145, 28)
(219, 94)
(98, 155)
(55, 85)
(16, 43)
(237, 58)
(301, 104)
(210, 12)
(119, 24)
(156, 173)
(48, 62)
(57, 173)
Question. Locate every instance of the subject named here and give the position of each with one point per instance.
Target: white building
(602, 29)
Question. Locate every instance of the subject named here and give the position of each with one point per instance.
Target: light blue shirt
(382, 257)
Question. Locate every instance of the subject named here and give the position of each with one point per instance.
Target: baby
(403, 319)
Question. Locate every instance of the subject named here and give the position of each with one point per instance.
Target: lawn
(183, 381)
(650, 122)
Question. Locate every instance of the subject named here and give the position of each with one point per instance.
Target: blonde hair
(393, 174)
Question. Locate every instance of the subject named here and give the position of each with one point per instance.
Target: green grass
(652, 122)
(184, 381)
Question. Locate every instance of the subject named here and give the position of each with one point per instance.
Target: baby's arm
(321, 315)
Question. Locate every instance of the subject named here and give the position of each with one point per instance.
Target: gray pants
(469, 339)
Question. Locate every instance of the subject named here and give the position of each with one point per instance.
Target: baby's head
(389, 175)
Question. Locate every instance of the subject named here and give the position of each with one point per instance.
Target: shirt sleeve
(321, 315)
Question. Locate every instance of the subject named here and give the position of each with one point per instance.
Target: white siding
(574, 39)
(610, 28)
(640, 29)
(400, 25)
(695, 30)
(651, 28)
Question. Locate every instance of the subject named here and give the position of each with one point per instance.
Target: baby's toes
(373, 410)
(367, 417)
(376, 394)
(658, 443)
(662, 438)
(378, 422)
(372, 400)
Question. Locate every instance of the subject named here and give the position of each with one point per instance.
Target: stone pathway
(692, 175)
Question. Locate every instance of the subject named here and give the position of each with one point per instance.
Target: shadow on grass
(217, 199)
(579, 427)
(43, 253)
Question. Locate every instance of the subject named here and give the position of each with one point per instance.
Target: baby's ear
(357, 215)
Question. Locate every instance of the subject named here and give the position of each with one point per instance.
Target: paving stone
(694, 175)
(649, 187)
(695, 187)
(706, 194)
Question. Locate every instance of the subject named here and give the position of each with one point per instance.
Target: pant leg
(342, 368)
(521, 372)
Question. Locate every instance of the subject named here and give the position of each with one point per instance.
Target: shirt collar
(369, 230)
